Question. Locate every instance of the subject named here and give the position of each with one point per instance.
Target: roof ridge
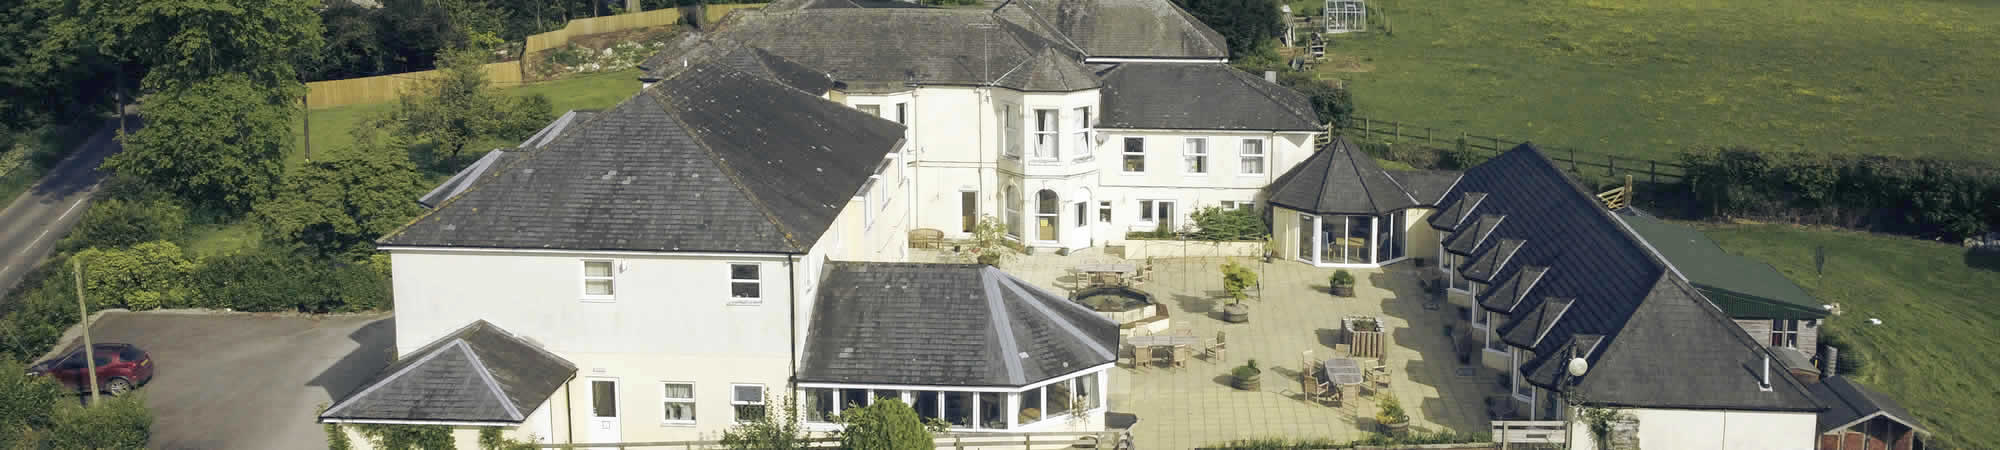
(432, 353)
(1252, 81)
(1015, 285)
(479, 366)
(735, 179)
(1003, 328)
(1044, 23)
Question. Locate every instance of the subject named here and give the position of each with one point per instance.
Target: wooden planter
(1364, 343)
(1235, 313)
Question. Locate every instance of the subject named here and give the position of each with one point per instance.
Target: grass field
(1940, 322)
(1646, 78)
(331, 127)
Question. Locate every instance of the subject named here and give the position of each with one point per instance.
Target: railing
(1529, 432)
(1110, 440)
(1654, 171)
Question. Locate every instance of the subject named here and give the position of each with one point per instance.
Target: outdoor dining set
(1175, 349)
(1340, 381)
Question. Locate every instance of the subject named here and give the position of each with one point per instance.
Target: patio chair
(1317, 390)
(1181, 355)
(1380, 375)
(1142, 356)
(1216, 347)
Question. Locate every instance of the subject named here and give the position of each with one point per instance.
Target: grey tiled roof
(479, 373)
(1454, 213)
(1207, 96)
(947, 325)
(1659, 342)
(1050, 71)
(1507, 294)
(1427, 186)
(872, 45)
(758, 62)
(1849, 402)
(1128, 28)
(1339, 179)
(711, 159)
(500, 157)
(1491, 261)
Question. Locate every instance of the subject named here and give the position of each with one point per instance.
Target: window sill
(746, 302)
(1128, 172)
(612, 299)
(1250, 175)
(677, 424)
(1500, 352)
(1523, 398)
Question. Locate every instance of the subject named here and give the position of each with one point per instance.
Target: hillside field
(1647, 78)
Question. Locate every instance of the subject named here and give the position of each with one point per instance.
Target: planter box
(1364, 344)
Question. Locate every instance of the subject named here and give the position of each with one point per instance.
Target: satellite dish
(1577, 367)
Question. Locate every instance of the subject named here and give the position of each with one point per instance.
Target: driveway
(248, 381)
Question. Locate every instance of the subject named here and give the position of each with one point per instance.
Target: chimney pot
(1271, 76)
(1831, 359)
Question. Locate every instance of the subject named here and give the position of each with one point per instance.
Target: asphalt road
(248, 381)
(31, 225)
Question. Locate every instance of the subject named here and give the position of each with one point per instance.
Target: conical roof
(1339, 179)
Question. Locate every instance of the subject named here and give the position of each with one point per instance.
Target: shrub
(1924, 196)
(25, 402)
(116, 222)
(886, 425)
(490, 439)
(407, 437)
(40, 310)
(1220, 224)
(1237, 280)
(1341, 278)
(146, 276)
(1391, 410)
(274, 280)
(779, 430)
(115, 422)
(1247, 370)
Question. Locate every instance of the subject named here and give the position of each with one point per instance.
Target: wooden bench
(926, 238)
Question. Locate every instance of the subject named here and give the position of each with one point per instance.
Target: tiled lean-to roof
(1573, 282)
(1205, 96)
(1127, 28)
(1744, 288)
(1849, 403)
(479, 374)
(947, 325)
(712, 159)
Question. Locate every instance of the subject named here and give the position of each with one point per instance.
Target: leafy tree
(45, 79)
(146, 276)
(185, 42)
(25, 403)
(888, 424)
(219, 144)
(35, 412)
(408, 437)
(777, 430)
(1237, 281)
(355, 45)
(460, 107)
(338, 206)
(1248, 25)
(1228, 224)
(419, 32)
(273, 279)
(1332, 104)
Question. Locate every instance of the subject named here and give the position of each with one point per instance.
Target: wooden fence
(383, 88)
(1647, 170)
(982, 441)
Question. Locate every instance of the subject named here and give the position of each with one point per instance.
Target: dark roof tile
(1339, 179)
(479, 373)
(1210, 96)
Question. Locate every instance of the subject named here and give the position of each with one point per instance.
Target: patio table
(1167, 340)
(1117, 268)
(1343, 371)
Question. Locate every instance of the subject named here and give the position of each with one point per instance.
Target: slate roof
(1742, 287)
(479, 373)
(1127, 28)
(1513, 290)
(1654, 341)
(500, 157)
(1492, 261)
(1427, 186)
(758, 62)
(1849, 403)
(1205, 96)
(947, 325)
(1339, 179)
(896, 46)
(711, 160)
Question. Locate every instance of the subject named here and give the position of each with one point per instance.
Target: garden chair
(1316, 390)
(1216, 347)
(1181, 355)
(1142, 356)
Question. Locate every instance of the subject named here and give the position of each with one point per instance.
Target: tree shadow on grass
(1983, 260)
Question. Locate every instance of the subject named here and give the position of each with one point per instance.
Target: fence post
(1611, 169)
(1398, 127)
(1496, 144)
(1654, 171)
(1368, 127)
(1572, 160)
(1427, 135)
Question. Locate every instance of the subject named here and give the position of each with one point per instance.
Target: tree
(888, 424)
(777, 430)
(186, 42)
(1248, 25)
(35, 412)
(146, 276)
(1332, 104)
(219, 144)
(338, 206)
(459, 107)
(1237, 281)
(355, 45)
(25, 403)
(119, 222)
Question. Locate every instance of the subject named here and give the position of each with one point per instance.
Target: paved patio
(1194, 406)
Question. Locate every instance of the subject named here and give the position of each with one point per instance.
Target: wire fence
(1588, 163)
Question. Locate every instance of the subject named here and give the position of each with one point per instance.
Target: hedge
(1881, 193)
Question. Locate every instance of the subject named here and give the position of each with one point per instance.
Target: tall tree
(219, 144)
(1249, 25)
(460, 107)
(337, 206)
(182, 42)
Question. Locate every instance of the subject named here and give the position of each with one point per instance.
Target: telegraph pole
(89, 359)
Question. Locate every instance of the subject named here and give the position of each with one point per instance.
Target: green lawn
(1647, 78)
(330, 129)
(1940, 323)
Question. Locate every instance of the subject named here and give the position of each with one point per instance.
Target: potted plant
(989, 238)
(1342, 283)
(1246, 377)
(1390, 415)
(1237, 281)
(1270, 250)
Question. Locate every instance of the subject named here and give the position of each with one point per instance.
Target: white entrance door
(604, 411)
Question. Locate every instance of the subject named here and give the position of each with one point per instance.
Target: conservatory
(1340, 209)
(965, 344)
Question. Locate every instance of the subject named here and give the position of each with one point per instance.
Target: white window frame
(1011, 136)
(868, 201)
(873, 109)
(584, 285)
(1128, 153)
(903, 114)
(1104, 211)
(763, 399)
(1246, 167)
(1147, 213)
(1194, 152)
(1778, 333)
(1080, 119)
(1514, 355)
(1493, 335)
(1052, 132)
(758, 282)
(693, 407)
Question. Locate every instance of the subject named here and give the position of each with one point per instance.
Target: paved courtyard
(1194, 406)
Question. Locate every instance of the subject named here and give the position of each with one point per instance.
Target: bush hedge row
(1881, 193)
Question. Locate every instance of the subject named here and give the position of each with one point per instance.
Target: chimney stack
(1271, 76)
(1829, 358)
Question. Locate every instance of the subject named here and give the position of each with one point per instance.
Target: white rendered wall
(1715, 429)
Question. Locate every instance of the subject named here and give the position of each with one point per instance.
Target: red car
(120, 367)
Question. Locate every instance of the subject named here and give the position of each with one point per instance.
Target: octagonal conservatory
(1340, 209)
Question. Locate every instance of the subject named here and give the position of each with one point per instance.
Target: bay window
(1046, 146)
(1080, 133)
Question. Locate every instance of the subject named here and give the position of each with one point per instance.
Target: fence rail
(1651, 171)
(1529, 432)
